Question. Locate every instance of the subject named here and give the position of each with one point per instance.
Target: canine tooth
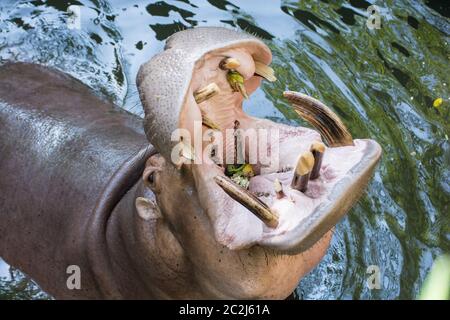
(206, 93)
(248, 200)
(278, 189)
(317, 149)
(265, 71)
(236, 81)
(207, 122)
(302, 171)
(321, 117)
(229, 64)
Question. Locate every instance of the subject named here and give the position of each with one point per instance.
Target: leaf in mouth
(240, 174)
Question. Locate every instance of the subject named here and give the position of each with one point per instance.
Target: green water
(382, 83)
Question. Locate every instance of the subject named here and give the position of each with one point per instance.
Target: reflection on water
(15, 285)
(381, 82)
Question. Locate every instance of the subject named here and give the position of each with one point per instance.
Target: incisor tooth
(206, 93)
(317, 149)
(265, 71)
(229, 64)
(278, 189)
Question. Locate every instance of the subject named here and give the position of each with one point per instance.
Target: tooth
(207, 92)
(321, 117)
(302, 171)
(229, 64)
(236, 81)
(278, 189)
(317, 149)
(248, 200)
(265, 71)
(207, 122)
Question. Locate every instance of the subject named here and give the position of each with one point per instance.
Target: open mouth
(288, 204)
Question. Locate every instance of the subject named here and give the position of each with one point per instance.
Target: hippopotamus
(144, 211)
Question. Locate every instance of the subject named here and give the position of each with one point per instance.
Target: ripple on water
(381, 82)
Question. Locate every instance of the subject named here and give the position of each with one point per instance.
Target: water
(382, 83)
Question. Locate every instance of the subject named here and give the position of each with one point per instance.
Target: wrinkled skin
(119, 208)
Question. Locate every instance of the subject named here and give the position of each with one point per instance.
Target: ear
(147, 209)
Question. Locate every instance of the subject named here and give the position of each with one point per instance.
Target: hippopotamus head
(250, 201)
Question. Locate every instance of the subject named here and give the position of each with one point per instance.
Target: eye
(150, 178)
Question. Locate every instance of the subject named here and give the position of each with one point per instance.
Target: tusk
(302, 171)
(206, 93)
(248, 200)
(321, 117)
(317, 149)
(207, 122)
(229, 64)
(236, 81)
(265, 71)
(278, 189)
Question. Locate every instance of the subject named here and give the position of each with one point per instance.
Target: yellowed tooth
(248, 200)
(317, 149)
(209, 123)
(265, 71)
(206, 93)
(229, 64)
(302, 171)
(332, 129)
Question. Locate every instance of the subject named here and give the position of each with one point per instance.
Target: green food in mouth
(236, 81)
(240, 174)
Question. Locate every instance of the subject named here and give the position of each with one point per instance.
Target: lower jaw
(237, 228)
